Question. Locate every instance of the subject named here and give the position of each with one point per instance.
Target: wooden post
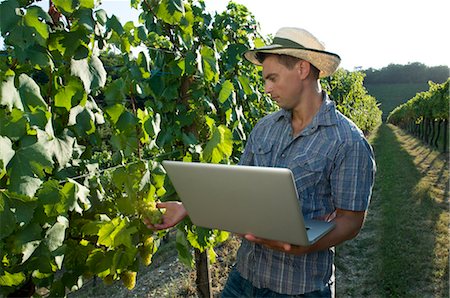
(203, 281)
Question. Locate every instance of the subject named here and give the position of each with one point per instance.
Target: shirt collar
(325, 117)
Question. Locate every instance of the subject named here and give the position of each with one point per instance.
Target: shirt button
(283, 155)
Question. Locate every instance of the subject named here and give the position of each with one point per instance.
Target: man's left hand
(278, 245)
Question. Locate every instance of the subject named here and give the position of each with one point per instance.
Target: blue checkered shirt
(333, 167)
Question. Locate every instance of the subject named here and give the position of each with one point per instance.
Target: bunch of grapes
(147, 250)
(129, 279)
(147, 209)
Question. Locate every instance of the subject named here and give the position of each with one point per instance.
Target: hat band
(287, 43)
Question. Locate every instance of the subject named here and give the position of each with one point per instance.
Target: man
(332, 163)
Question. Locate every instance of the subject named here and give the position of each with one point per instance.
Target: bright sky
(371, 33)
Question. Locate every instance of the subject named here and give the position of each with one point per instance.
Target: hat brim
(326, 62)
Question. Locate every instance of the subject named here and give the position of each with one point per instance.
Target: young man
(332, 163)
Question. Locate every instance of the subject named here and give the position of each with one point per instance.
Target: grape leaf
(7, 219)
(14, 279)
(30, 93)
(209, 64)
(9, 95)
(219, 146)
(225, 92)
(6, 154)
(27, 167)
(56, 234)
(90, 71)
(9, 17)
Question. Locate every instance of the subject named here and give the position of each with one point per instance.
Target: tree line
(415, 72)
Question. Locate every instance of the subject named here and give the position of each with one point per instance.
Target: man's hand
(174, 213)
(278, 245)
(348, 224)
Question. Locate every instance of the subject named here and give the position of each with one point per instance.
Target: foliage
(424, 112)
(410, 73)
(80, 147)
(347, 90)
(433, 104)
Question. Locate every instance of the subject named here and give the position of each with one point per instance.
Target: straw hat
(301, 44)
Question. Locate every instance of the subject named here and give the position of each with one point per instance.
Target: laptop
(261, 201)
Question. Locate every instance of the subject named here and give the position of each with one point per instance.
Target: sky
(366, 34)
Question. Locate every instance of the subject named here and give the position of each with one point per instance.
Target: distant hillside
(410, 73)
(392, 95)
(396, 84)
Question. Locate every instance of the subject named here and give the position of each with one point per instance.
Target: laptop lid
(243, 199)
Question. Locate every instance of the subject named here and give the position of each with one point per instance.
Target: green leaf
(184, 249)
(82, 120)
(99, 261)
(219, 146)
(245, 84)
(27, 168)
(7, 218)
(114, 24)
(87, 4)
(56, 234)
(77, 196)
(6, 154)
(115, 92)
(152, 126)
(66, 6)
(51, 199)
(127, 122)
(9, 17)
(60, 147)
(70, 95)
(225, 92)
(101, 16)
(209, 64)
(171, 11)
(34, 18)
(25, 97)
(90, 71)
(123, 258)
(114, 112)
(30, 93)
(9, 95)
(13, 125)
(10, 280)
(115, 233)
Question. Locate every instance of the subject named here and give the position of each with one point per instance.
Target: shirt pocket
(308, 171)
(262, 154)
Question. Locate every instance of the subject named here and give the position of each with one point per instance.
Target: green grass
(402, 250)
(392, 95)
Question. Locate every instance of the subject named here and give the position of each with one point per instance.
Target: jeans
(237, 286)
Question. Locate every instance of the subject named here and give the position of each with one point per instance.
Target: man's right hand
(174, 213)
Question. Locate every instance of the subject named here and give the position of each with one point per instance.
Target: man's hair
(286, 60)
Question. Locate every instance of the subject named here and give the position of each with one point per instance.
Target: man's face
(283, 84)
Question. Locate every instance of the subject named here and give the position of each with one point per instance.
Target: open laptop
(243, 199)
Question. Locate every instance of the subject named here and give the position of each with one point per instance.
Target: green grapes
(148, 210)
(129, 279)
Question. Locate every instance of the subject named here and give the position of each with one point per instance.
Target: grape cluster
(147, 209)
(147, 250)
(129, 279)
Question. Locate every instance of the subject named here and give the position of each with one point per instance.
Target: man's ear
(303, 68)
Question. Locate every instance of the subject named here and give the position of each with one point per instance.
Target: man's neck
(305, 111)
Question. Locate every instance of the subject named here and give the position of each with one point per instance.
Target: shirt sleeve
(353, 176)
(247, 157)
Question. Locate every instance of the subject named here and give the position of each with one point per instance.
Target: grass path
(402, 250)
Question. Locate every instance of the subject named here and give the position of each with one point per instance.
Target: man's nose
(268, 88)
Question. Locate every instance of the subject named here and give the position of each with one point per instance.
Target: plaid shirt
(333, 166)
